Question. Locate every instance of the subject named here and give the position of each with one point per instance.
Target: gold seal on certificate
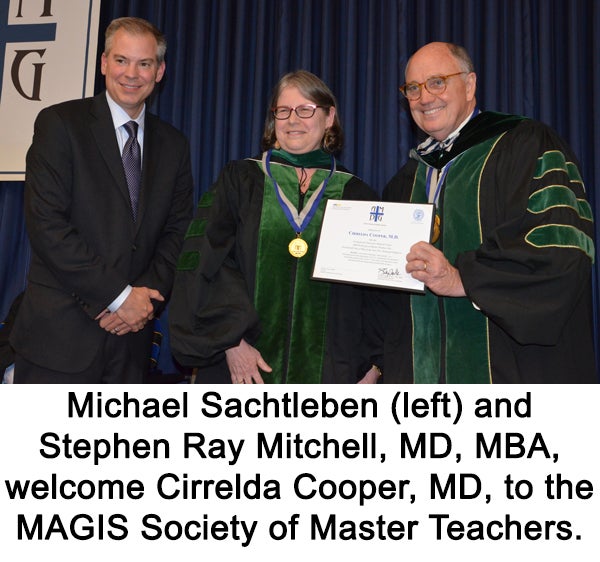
(298, 247)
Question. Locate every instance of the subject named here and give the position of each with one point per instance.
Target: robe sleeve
(535, 259)
(368, 306)
(211, 307)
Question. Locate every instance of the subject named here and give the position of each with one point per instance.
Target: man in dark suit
(107, 204)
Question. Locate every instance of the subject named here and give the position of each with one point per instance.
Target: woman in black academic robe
(244, 307)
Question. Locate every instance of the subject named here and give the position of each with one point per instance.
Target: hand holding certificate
(366, 242)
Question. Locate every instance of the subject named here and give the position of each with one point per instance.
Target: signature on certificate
(389, 272)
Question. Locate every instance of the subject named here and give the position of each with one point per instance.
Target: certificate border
(378, 285)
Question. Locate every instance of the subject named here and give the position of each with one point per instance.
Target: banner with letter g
(47, 55)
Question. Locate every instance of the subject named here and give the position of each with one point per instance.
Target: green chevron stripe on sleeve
(188, 261)
(560, 236)
(196, 228)
(574, 174)
(555, 160)
(558, 196)
(206, 200)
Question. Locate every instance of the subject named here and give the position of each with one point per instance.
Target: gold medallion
(436, 229)
(298, 247)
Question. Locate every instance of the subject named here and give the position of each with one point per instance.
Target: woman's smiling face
(296, 135)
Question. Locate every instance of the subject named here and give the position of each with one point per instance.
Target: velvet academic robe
(236, 279)
(516, 223)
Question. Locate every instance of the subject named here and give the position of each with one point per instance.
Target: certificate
(366, 242)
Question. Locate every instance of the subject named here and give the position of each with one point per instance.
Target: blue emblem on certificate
(376, 214)
(418, 215)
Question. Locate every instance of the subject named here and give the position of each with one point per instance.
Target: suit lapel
(103, 130)
(150, 162)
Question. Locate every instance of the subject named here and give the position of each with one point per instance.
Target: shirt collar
(430, 144)
(120, 116)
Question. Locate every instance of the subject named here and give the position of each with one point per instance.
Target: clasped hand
(133, 314)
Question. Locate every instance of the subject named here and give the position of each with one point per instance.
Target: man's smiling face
(131, 70)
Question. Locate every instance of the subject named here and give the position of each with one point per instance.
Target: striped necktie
(132, 164)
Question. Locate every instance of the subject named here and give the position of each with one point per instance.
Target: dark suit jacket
(85, 245)
(7, 355)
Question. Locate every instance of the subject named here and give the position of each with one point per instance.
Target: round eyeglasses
(435, 85)
(305, 111)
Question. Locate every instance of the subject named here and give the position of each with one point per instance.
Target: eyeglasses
(435, 85)
(303, 111)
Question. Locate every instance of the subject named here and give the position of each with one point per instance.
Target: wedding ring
(424, 266)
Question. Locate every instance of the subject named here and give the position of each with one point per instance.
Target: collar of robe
(484, 126)
(314, 159)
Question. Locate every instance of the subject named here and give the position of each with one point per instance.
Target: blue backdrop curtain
(539, 58)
